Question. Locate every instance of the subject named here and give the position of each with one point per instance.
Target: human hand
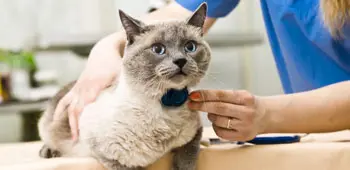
(82, 93)
(236, 115)
(102, 69)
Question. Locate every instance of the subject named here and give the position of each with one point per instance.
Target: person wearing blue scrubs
(313, 65)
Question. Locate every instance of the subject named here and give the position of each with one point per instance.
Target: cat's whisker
(211, 72)
(152, 82)
(213, 77)
(217, 80)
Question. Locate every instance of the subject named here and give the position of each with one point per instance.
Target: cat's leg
(105, 152)
(53, 132)
(185, 157)
(46, 152)
(115, 165)
(55, 136)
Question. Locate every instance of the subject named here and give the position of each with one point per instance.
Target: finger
(76, 106)
(223, 133)
(218, 108)
(228, 96)
(74, 111)
(224, 122)
(90, 95)
(232, 135)
(73, 126)
(73, 123)
(62, 105)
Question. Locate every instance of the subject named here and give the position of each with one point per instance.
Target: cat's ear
(132, 26)
(198, 17)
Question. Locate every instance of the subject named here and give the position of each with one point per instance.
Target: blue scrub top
(306, 55)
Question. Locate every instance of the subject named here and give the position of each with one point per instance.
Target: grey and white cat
(127, 127)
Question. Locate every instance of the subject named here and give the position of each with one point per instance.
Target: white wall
(262, 76)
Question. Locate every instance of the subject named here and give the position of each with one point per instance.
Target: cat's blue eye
(158, 48)
(190, 46)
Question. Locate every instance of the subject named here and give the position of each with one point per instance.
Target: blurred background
(44, 44)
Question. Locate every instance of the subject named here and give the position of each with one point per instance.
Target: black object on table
(29, 113)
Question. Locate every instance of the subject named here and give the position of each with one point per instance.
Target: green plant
(21, 59)
(4, 56)
(30, 59)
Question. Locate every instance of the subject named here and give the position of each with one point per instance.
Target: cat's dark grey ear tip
(131, 26)
(199, 15)
(202, 9)
(203, 6)
(122, 14)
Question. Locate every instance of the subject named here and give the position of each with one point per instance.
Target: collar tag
(174, 98)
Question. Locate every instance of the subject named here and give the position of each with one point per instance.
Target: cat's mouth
(179, 73)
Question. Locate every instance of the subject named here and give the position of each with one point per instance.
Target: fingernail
(74, 136)
(195, 96)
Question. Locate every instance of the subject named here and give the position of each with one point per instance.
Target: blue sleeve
(216, 8)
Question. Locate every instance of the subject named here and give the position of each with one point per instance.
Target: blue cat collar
(174, 98)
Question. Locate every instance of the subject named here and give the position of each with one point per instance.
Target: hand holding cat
(102, 68)
(236, 115)
(82, 93)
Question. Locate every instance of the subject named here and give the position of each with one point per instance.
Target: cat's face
(166, 55)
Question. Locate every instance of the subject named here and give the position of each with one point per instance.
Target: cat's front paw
(46, 152)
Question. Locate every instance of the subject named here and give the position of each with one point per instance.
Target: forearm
(105, 54)
(322, 110)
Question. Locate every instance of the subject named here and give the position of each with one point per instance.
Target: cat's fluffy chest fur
(137, 130)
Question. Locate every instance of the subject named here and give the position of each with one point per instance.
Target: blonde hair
(336, 13)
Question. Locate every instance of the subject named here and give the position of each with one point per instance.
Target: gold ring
(228, 124)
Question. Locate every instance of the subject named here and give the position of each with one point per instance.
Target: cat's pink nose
(180, 62)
